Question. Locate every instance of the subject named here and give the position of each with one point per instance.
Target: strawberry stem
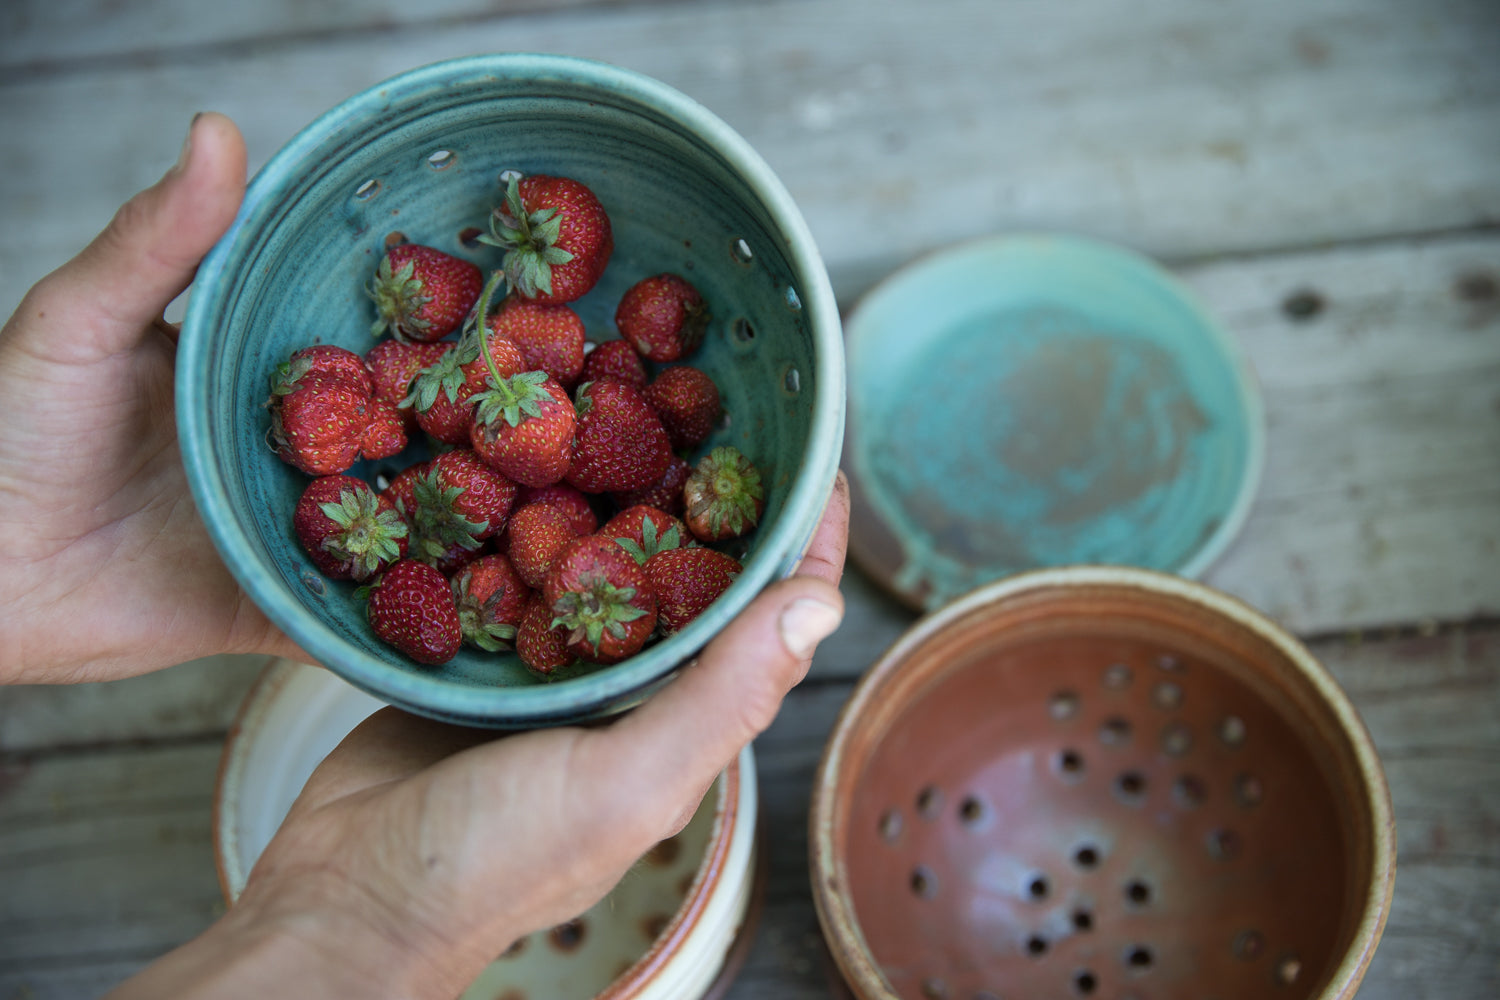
(484, 333)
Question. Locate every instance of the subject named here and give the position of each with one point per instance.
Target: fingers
(146, 256)
(670, 749)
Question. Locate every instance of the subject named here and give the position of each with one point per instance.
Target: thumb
(147, 255)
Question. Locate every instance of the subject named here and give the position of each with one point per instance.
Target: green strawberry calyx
(446, 375)
(726, 488)
(439, 524)
(398, 300)
(515, 399)
(477, 618)
(595, 608)
(286, 375)
(669, 539)
(366, 535)
(529, 240)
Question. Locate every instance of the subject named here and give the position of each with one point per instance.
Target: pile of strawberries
(496, 541)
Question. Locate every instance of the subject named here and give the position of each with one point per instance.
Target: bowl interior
(1092, 791)
(421, 159)
(1029, 401)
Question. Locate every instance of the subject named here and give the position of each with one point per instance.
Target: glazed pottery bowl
(675, 928)
(421, 157)
(1034, 400)
(1100, 782)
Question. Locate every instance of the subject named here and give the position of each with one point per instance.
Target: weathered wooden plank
(1182, 128)
(107, 861)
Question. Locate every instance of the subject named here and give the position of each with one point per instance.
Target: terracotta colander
(1100, 782)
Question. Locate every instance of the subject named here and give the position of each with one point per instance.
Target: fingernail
(187, 145)
(806, 622)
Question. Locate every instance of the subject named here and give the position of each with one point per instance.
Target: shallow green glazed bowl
(422, 155)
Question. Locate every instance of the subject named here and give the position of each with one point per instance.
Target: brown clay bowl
(1100, 782)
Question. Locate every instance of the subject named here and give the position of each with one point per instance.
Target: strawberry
(686, 582)
(491, 599)
(550, 337)
(421, 293)
(386, 433)
(393, 364)
(459, 501)
(349, 531)
(443, 394)
(723, 495)
(540, 646)
(402, 490)
(687, 401)
(523, 426)
(619, 444)
(665, 494)
(644, 531)
(320, 409)
(411, 607)
(566, 499)
(537, 534)
(556, 237)
(601, 597)
(663, 317)
(615, 358)
(457, 557)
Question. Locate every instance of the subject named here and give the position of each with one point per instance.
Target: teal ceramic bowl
(1030, 401)
(422, 155)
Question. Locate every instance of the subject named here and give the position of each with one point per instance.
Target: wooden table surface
(1344, 154)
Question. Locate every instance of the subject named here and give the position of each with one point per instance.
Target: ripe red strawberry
(459, 501)
(686, 582)
(411, 607)
(421, 293)
(665, 494)
(402, 490)
(540, 646)
(617, 359)
(443, 394)
(457, 557)
(386, 434)
(491, 599)
(601, 597)
(620, 443)
(523, 426)
(537, 534)
(394, 364)
(687, 401)
(566, 499)
(663, 317)
(556, 237)
(349, 531)
(320, 409)
(550, 336)
(644, 531)
(723, 495)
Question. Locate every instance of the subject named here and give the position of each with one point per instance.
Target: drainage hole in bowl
(1063, 705)
(1288, 969)
(1189, 791)
(934, 988)
(1117, 676)
(929, 802)
(367, 190)
(1036, 946)
(1223, 845)
(1083, 920)
(1137, 893)
(1114, 731)
(793, 300)
(1139, 957)
(1232, 730)
(1086, 857)
(440, 159)
(1167, 695)
(1085, 982)
(1070, 764)
(742, 331)
(1131, 787)
(741, 252)
(469, 236)
(923, 882)
(970, 810)
(1176, 739)
(313, 582)
(1038, 888)
(792, 381)
(1248, 791)
(890, 825)
(1249, 945)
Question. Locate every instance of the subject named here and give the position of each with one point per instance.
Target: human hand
(107, 570)
(419, 851)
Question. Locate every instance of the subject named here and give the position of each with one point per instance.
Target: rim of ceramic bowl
(1251, 401)
(600, 692)
(733, 843)
(869, 706)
